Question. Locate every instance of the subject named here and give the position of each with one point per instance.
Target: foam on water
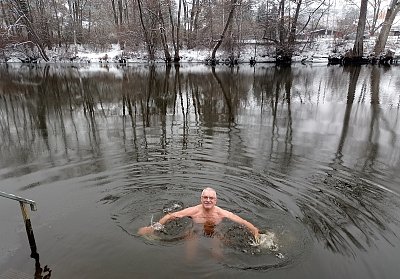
(265, 241)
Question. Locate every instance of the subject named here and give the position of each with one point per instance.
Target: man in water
(206, 213)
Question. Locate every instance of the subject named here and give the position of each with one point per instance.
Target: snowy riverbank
(263, 54)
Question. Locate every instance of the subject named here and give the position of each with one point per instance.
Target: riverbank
(322, 47)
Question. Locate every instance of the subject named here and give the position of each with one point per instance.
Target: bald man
(206, 213)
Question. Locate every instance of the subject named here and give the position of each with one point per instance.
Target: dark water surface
(308, 153)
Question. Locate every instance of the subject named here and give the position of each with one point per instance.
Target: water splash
(265, 241)
(173, 207)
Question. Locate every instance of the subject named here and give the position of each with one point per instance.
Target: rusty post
(25, 214)
(29, 230)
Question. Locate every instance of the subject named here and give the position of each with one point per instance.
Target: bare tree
(391, 13)
(172, 24)
(147, 36)
(292, 33)
(358, 49)
(57, 23)
(193, 23)
(177, 35)
(227, 24)
(376, 10)
(115, 14)
(23, 18)
(163, 33)
(345, 24)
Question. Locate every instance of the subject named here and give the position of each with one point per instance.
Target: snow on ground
(320, 47)
(186, 55)
(90, 56)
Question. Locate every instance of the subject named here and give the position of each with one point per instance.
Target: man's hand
(256, 236)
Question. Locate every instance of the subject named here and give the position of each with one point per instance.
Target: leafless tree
(227, 24)
(358, 49)
(391, 13)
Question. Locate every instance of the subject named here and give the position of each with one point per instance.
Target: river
(310, 153)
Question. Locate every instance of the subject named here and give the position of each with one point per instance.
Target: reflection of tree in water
(345, 211)
(227, 96)
(71, 109)
(354, 75)
(43, 116)
(372, 149)
(274, 91)
(286, 84)
(23, 119)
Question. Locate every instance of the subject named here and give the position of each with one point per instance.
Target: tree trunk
(5, 17)
(283, 49)
(376, 11)
(78, 20)
(149, 44)
(228, 21)
(172, 26)
(58, 24)
(191, 19)
(358, 49)
(70, 8)
(185, 21)
(114, 12)
(192, 24)
(25, 17)
(196, 22)
(43, 27)
(281, 30)
(211, 19)
(120, 11)
(292, 34)
(293, 28)
(387, 24)
(163, 34)
(176, 55)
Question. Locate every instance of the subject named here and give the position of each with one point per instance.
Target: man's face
(208, 199)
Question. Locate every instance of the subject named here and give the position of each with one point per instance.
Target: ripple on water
(138, 206)
(291, 242)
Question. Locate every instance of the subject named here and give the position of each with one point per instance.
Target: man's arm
(187, 212)
(253, 229)
(179, 214)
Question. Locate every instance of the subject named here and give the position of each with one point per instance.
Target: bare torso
(206, 213)
(200, 215)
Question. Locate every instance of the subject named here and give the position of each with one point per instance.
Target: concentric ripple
(249, 195)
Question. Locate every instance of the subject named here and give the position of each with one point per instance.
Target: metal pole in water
(29, 230)
(25, 214)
